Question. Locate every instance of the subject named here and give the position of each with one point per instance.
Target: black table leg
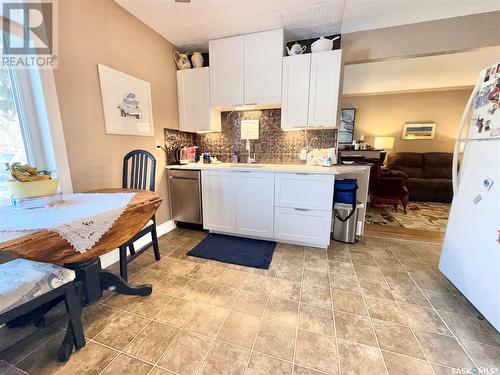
(95, 280)
(88, 274)
(115, 283)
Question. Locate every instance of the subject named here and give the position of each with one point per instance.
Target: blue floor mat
(235, 250)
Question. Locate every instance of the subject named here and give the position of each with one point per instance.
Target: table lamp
(383, 143)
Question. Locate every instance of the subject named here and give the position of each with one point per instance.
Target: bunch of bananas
(26, 173)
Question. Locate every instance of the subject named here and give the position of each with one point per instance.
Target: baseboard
(113, 256)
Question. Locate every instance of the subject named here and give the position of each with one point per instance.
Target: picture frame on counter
(418, 130)
(126, 102)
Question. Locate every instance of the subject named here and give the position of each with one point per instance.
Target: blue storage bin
(345, 191)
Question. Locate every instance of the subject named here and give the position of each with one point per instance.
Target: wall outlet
(303, 154)
(158, 143)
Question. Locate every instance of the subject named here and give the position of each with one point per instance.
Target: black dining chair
(139, 173)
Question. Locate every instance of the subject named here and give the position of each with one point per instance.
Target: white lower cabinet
(305, 226)
(219, 201)
(304, 190)
(255, 204)
(238, 202)
(287, 207)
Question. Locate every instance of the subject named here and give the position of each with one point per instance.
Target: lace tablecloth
(81, 219)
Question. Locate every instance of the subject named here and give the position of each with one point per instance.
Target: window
(30, 123)
(14, 146)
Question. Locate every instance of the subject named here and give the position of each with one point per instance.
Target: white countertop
(300, 168)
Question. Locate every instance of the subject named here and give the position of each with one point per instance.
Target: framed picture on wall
(126, 102)
(422, 130)
(346, 131)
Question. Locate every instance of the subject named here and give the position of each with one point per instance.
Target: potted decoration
(28, 182)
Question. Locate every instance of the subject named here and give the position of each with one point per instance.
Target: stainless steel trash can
(344, 230)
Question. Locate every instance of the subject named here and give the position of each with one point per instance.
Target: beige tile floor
(377, 307)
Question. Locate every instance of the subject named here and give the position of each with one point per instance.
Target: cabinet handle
(301, 209)
(303, 173)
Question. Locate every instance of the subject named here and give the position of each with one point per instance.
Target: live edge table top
(48, 246)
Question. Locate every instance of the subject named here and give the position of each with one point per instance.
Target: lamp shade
(384, 143)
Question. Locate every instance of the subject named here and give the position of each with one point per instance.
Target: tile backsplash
(273, 146)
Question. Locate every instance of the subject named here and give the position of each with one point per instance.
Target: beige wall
(384, 115)
(424, 38)
(100, 31)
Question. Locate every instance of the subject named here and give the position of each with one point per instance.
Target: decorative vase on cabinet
(197, 60)
(181, 60)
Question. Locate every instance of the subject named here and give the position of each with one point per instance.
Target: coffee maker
(186, 154)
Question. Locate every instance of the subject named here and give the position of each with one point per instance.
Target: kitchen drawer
(304, 190)
(308, 227)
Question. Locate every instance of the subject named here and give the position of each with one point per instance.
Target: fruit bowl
(32, 189)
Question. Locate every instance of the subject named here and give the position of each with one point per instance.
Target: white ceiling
(419, 74)
(190, 25)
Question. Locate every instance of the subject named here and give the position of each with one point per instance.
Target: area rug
(421, 215)
(236, 250)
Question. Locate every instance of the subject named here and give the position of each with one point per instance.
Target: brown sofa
(428, 175)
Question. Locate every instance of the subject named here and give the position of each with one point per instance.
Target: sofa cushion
(430, 190)
(23, 280)
(437, 165)
(411, 163)
(393, 173)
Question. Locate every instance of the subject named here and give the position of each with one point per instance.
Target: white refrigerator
(471, 252)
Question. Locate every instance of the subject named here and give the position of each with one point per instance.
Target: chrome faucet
(250, 160)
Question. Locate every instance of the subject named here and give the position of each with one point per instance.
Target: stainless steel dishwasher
(185, 195)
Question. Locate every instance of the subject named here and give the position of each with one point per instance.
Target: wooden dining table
(48, 246)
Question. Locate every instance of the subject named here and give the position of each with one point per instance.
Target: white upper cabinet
(246, 70)
(324, 88)
(295, 98)
(227, 72)
(263, 64)
(311, 86)
(193, 98)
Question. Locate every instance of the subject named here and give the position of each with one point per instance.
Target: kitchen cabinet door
(227, 71)
(219, 200)
(193, 97)
(263, 66)
(303, 226)
(304, 190)
(295, 93)
(324, 88)
(255, 204)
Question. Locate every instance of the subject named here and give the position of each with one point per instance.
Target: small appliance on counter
(186, 154)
